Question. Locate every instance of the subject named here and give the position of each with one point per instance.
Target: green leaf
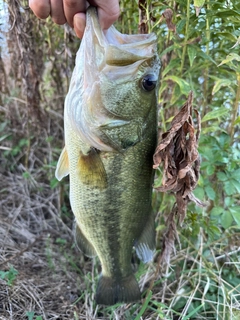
(168, 49)
(216, 211)
(164, 86)
(61, 241)
(203, 55)
(222, 176)
(226, 35)
(190, 314)
(181, 302)
(191, 54)
(227, 13)
(53, 183)
(4, 137)
(236, 185)
(173, 63)
(30, 315)
(9, 275)
(232, 56)
(237, 43)
(236, 214)
(218, 113)
(183, 85)
(228, 201)
(212, 128)
(180, 25)
(229, 188)
(26, 175)
(226, 219)
(220, 83)
(210, 170)
(201, 181)
(144, 307)
(214, 231)
(224, 140)
(198, 4)
(210, 192)
(176, 95)
(237, 174)
(237, 121)
(199, 193)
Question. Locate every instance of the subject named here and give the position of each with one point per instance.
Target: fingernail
(79, 23)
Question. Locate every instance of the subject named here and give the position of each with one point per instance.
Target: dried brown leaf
(177, 152)
(168, 15)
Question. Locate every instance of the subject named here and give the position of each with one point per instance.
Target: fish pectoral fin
(145, 245)
(62, 169)
(82, 242)
(91, 170)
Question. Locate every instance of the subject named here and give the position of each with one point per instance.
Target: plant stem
(186, 38)
(206, 71)
(235, 107)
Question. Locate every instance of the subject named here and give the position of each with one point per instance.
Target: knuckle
(71, 3)
(59, 20)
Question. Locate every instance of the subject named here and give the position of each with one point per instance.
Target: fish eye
(149, 82)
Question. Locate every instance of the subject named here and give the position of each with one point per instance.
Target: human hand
(73, 12)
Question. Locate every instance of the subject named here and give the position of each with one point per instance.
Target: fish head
(114, 85)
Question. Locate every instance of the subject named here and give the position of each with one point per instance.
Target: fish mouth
(105, 61)
(115, 49)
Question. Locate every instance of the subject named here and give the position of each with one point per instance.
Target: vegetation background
(42, 275)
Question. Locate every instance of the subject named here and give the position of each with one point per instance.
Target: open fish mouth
(105, 57)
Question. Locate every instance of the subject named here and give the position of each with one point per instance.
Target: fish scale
(110, 124)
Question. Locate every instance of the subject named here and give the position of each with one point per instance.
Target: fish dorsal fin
(82, 243)
(62, 169)
(91, 170)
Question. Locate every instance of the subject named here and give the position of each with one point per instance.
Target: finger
(71, 7)
(79, 22)
(40, 8)
(108, 12)
(57, 12)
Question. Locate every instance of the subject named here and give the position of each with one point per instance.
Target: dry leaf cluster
(177, 153)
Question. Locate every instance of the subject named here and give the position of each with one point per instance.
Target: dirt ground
(38, 245)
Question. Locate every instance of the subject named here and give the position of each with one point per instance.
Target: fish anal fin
(82, 243)
(91, 170)
(145, 245)
(111, 291)
(62, 169)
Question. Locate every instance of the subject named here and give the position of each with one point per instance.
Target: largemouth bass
(110, 123)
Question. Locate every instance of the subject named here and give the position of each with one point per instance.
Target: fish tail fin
(123, 290)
